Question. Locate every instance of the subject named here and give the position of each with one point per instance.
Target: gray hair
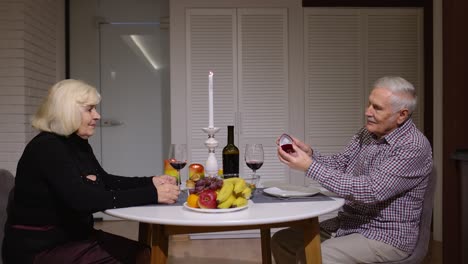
(404, 94)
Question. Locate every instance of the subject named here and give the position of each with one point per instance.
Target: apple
(169, 170)
(196, 172)
(207, 199)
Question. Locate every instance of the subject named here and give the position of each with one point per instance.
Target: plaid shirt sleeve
(369, 173)
(340, 160)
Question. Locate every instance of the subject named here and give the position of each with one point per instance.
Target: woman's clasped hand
(168, 191)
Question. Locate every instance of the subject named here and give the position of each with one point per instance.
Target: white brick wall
(31, 60)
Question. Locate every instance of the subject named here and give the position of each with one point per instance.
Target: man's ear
(402, 116)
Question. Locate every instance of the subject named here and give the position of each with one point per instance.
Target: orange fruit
(192, 201)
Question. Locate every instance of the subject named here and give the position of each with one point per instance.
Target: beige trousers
(287, 246)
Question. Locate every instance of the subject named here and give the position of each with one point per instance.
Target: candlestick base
(211, 166)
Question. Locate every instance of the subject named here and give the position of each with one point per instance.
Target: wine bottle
(230, 156)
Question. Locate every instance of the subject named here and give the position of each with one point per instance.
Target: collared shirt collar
(393, 136)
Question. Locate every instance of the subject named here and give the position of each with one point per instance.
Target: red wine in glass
(178, 159)
(285, 142)
(178, 165)
(254, 160)
(288, 148)
(254, 165)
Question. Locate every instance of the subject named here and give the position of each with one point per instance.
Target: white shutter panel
(333, 78)
(263, 85)
(346, 51)
(394, 47)
(211, 46)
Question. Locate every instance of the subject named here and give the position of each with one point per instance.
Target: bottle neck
(230, 135)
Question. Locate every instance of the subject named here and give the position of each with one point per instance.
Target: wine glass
(178, 159)
(254, 160)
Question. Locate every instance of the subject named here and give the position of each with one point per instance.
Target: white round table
(158, 222)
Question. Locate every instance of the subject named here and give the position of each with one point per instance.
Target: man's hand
(303, 146)
(299, 160)
(168, 191)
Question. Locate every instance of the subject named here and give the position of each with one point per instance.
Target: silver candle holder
(211, 166)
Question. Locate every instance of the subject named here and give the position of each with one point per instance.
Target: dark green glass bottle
(230, 156)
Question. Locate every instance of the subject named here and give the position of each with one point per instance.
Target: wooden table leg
(266, 250)
(159, 245)
(312, 241)
(144, 233)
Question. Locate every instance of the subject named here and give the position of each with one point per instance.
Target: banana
(240, 186)
(233, 180)
(228, 202)
(225, 192)
(247, 193)
(239, 202)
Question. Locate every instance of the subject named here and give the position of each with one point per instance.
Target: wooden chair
(422, 245)
(7, 181)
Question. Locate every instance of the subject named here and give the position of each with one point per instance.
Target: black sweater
(51, 189)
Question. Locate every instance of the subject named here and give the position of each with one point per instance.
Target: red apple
(207, 199)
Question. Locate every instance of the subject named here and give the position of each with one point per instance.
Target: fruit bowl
(216, 210)
(252, 182)
(213, 193)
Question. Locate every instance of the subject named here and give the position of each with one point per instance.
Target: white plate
(291, 191)
(227, 210)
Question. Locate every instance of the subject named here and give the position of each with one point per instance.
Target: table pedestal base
(157, 236)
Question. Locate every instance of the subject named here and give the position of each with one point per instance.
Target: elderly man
(382, 174)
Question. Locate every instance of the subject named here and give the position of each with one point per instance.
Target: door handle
(110, 123)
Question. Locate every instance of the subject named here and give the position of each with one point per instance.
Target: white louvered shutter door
(211, 45)
(394, 47)
(263, 85)
(346, 50)
(333, 78)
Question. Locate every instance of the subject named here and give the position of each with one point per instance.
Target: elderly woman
(59, 184)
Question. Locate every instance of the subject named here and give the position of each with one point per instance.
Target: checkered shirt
(383, 182)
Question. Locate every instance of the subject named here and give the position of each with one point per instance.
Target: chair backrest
(422, 245)
(7, 181)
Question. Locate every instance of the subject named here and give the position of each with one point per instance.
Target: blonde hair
(60, 111)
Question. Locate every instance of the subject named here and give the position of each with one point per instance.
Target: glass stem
(179, 181)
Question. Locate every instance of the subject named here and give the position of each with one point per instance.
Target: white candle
(210, 100)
